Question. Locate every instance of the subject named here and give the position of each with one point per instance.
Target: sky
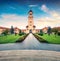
(15, 13)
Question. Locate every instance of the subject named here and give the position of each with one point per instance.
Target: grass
(51, 39)
(9, 38)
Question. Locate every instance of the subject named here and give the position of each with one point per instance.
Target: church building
(30, 28)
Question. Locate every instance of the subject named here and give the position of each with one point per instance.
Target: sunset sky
(15, 12)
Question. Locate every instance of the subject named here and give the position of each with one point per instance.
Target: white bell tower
(30, 27)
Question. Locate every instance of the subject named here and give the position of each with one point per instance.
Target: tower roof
(30, 11)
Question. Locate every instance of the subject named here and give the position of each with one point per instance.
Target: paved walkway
(29, 50)
(30, 43)
(29, 55)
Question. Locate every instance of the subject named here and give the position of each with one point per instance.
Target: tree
(55, 31)
(49, 30)
(41, 32)
(58, 33)
(12, 30)
(20, 32)
(5, 32)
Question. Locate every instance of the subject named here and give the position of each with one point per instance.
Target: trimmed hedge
(58, 33)
(21, 39)
(40, 39)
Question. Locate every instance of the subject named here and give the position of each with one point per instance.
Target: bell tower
(30, 27)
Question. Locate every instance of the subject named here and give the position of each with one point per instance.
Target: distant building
(58, 28)
(23, 30)
(2, 29)
(16, 30)
(45, 29)
(37, 30)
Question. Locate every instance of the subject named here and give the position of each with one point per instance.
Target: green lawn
(9, 38)
(51, 39)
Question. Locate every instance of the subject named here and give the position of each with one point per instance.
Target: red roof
(16, 28)
(4, 28)
(58, 28)
(45, 28)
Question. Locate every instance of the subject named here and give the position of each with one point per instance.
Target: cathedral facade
(30, 28)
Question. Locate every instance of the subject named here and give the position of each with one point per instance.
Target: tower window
(30, 21)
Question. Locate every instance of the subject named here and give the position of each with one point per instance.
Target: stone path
(29, 55)
(30, 43)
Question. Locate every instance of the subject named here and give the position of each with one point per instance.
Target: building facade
(45, 29)
(30, 28)
(16, 30)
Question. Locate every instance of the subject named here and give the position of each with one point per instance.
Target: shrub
(58, 33)
(5, 32)
(22, 33)
(41, 33)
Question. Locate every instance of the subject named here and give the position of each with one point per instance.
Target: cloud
(44, 8)
(12, 19)
(47, 21)
(33, 5)
(12, 7)
(21, 21)
(53, 13)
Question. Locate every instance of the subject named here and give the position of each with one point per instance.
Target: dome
(30, 11)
